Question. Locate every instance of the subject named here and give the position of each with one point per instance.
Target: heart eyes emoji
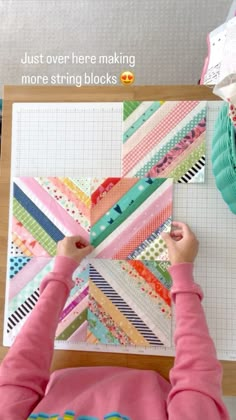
(127, 78)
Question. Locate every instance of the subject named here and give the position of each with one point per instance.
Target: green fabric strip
(126, 212)
(122, 203)
(192, 158)
(159, 270)
(77, 322)
(141, 120)
(171, 143)
(129, 107)
(34, 228)
(99, 330)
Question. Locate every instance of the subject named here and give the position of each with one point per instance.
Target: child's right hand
(182, 244)
(74, 247)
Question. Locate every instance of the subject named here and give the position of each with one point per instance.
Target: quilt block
(164, 139)
(128, 216)
(44, 210)
(112, 302)
(122, 217)
(129, 303)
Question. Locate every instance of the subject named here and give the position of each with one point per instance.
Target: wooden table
(12, 94)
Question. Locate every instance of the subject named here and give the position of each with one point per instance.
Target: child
(114, 393)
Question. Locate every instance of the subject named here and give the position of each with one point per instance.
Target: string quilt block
(166, 139)
(73, 323)
(122, 217)
(128, 216)
(116, 302)
(25, 276)
(129, 303)
(44, 210)
(122, 297)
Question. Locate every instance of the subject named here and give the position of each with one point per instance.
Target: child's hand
(182, 244)
(74, 247)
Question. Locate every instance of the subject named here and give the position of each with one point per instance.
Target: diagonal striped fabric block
(164, 139)
(128, 216)
(118, 302)
(25, 276)
(73, 323)
(123, 217)
(129, 303)
(44, 210)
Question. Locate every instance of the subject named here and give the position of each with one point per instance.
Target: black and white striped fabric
(22, 311)
(123, 307)
(192, 171)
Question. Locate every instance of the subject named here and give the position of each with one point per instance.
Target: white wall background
(168, 37)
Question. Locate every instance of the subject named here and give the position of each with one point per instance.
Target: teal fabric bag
(223, 157)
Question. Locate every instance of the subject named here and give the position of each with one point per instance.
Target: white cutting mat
(68, 139)
(77, 140)
(202, 207)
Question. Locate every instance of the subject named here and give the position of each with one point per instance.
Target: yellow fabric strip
(79, 193)
(135, 337)
(18, 242)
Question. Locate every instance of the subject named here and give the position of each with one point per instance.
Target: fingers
(83, 245)
(78, 239)
(79, 245)
(86, 251)
(167, 238)
(182, 227)
(175, 236)
(178, 238)
(176, 232)
(171, 237)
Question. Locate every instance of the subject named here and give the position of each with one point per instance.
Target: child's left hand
(74, 247)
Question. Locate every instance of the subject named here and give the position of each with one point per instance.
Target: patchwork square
(122, 297)
(129, 303)
(122, 217)
(128, 216)
(73, 323)
(164, 139)
(26, 274)
(112, 302)
(44, 210)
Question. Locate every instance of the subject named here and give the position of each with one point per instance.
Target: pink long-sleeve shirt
(28, 390)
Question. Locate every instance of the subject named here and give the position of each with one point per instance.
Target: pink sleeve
(25, 371)
(197, 374)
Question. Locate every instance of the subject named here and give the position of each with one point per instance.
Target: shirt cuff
(63, 270)
(65, 265)
(183, 281)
